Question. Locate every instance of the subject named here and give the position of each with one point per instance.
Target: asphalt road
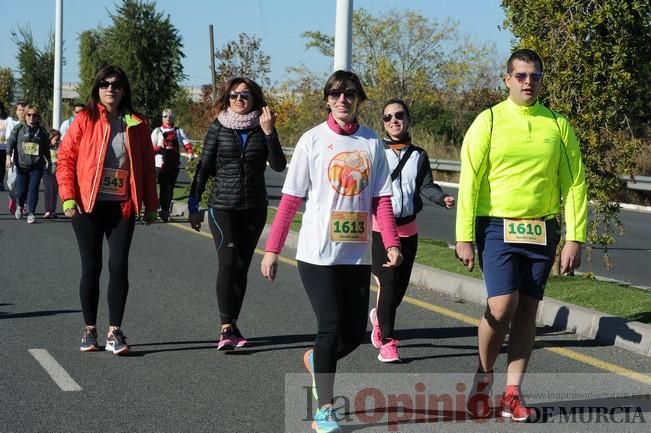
(630, 256)
(175, 380)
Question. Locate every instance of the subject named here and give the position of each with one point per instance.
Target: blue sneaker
(325, 420)
(308, 360)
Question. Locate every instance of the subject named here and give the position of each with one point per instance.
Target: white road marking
(54, 369)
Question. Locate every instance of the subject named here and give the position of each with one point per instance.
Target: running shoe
(326, 420)
(117, 343)
(227, 339)
(238, 338)
(19, 213)
(376, 335)
(389, 351)
(164, 216)
(12, 205)
(31, 219)
(308, 361)
(89, 340)
(479, 402)
(513, 407)
(49, 215)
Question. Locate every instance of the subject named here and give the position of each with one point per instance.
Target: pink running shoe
(389, 351)
(227, 340)
(376, 335)
(12, 206)
(238, 338)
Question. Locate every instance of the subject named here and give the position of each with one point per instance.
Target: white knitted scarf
(233, 120)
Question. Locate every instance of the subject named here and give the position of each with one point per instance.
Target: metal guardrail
(638, 183)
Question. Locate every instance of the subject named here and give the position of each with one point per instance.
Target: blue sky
(279, 23)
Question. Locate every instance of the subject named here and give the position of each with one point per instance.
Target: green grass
(611, 298)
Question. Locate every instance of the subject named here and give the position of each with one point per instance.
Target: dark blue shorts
(510, 267)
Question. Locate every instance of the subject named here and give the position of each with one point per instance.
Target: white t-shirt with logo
(339, 176)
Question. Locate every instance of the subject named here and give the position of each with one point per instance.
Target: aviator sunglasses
(399, 115)
(349, 95)
(244, 95)
(522, 76)
(116, 85)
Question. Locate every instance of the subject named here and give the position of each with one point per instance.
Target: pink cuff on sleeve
(287, 209)
(383, 211)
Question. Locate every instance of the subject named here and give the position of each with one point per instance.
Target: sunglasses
(522, 76)
(116, 85)
(244, 95)
(399, 115)
(32, 115)
(349, 95)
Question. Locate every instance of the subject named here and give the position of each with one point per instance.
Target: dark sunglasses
(400, 115)
(349, 95)
(32, 115)
(244, 95)
(116, 85)
(522, 76)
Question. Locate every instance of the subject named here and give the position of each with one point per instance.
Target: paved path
(176, 381)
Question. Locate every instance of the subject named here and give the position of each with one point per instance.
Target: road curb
(603, 329)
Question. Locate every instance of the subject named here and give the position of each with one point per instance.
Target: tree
(597, 72)
(243, 58)
(7, 87)
(36, 69)
(90, 60)
(146, 45)
(402, 54)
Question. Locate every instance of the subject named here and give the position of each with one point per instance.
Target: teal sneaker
(325, 420)
(308, 360)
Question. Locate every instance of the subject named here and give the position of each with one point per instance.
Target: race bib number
(114, 181)
(30, 148)
(525, 231)
(349, 226)
(53, 155)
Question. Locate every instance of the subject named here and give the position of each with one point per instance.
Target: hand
(449, 202)
(71, 212)
(8, 163)
(465, 251)
(269, 265)
(195, 221)
(395, 257)
(267, 120)
(570, 256)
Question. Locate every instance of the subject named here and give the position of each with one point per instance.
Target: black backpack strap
(403, 161)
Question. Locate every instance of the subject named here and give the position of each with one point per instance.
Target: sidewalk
(602, 328)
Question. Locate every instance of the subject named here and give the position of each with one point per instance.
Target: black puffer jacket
(238, 168)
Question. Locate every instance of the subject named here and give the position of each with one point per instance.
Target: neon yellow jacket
(524, 168)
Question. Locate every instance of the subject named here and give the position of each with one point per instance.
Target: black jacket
(238, 168)
(29, 159)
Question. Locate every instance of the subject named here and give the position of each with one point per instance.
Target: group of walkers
(520, 167)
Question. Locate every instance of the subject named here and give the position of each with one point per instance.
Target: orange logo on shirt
(349, 172)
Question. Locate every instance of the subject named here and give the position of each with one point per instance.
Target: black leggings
(393, 281)
(166, 183)
(236, 234)
(339, 296)
(105, 220)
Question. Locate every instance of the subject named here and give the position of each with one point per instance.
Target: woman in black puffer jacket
(235, 152)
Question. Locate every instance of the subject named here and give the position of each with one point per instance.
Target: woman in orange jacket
(105, 174)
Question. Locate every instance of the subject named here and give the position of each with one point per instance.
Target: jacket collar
(131, 119)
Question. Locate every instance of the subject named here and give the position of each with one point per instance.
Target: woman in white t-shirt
(339, 168)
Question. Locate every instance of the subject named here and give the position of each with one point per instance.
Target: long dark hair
(3, 113)
(107, 71)
(223, 101)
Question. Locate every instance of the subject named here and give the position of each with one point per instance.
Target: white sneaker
(19, 213)
(31, 219)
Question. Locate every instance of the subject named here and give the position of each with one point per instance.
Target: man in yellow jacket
(520, 165)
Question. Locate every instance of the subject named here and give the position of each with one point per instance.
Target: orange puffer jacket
(81, 161)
